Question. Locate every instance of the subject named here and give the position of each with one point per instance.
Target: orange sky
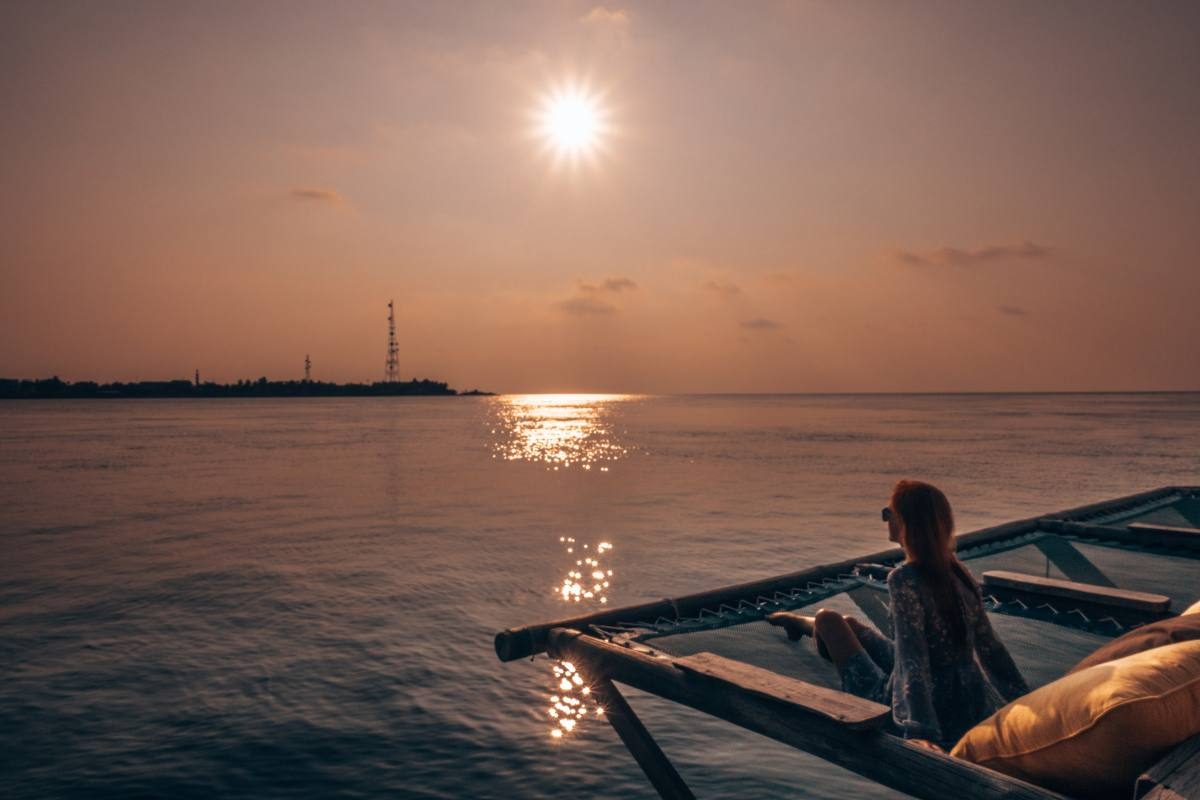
(794, 196)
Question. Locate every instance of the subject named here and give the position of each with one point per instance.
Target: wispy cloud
(956, 257)
(307, 194)
(1013, 311)
(761, 324)
(614, 285)
(726, 290)
(586, 305)
(594, 298)
(601, 15)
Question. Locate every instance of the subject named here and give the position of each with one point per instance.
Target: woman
(945, 670)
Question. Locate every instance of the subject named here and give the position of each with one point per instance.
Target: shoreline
(57, 389)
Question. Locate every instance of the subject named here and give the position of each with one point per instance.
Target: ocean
(297, 597)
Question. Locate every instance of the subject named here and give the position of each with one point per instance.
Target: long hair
(928, 541)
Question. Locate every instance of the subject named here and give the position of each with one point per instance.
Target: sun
(572, 123)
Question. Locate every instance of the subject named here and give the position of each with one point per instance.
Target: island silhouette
(55, 388)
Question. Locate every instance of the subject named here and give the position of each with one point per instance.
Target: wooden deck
(1094, 594)
(842, 729)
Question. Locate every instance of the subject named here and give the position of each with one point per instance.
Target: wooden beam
(530, 640)
(1130, 501)
(1188, 542)
(853, 712)
(1071, 590)
(1074, 564)
(1175, 777)
(876, 755)
(640, 743)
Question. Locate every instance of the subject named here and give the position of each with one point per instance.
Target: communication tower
(307, 368)
(392, 371)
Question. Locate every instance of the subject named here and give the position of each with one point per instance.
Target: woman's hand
(928, 745)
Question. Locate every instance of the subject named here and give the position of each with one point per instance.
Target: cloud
(592, 297)
(726, 290)
(314, 195)
(586, 305)
(600, 15)
(955, 257)
(1013, 311)
(761, 324)
(613, 285)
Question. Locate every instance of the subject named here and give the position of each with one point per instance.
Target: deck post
(641, 744)
(1074, 564)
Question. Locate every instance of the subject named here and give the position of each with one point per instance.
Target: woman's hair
(928, 542)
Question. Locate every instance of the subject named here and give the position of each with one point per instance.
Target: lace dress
(938, 689)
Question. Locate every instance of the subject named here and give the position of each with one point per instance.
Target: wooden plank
(1150, 527)
(845, 709)
(1097, 595)
(1074, 564)
(874, 754)
(640, 743)
(530, 640)
(1175, 777)
(1162, 493)
(1188, 542)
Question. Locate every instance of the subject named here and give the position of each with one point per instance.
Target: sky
(786, 197)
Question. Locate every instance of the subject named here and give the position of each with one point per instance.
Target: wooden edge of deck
(1187, 540)
(1151, 527)
(841, 707)
(875, 754)
(1175, 777)
(1090, 592)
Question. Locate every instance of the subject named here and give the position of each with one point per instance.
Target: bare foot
(796, 625)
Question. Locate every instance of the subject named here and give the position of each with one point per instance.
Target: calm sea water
(297, 598)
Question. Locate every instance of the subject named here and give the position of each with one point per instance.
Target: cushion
(1156, 634)
(1091, 733)
(1194, 608)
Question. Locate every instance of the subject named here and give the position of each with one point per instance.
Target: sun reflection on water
(571, 700)
(587, 582)
(558, 430)
(588, 579)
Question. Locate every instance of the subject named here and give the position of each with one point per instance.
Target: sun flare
(572, 122)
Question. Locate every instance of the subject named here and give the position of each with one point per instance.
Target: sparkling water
(297, 597)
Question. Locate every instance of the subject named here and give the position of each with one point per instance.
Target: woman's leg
(880, 648)
(830, 629)
(863, 655)
(795, 625)
(837, 633)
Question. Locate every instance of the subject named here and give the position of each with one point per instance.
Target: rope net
(1045, 638)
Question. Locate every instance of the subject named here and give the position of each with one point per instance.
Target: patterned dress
(938, 689)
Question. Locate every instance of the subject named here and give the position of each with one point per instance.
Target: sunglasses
(886, 513)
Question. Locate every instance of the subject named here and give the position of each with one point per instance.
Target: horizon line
(826, 393)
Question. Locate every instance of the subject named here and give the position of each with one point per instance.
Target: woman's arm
(912, 689)
(996, 661)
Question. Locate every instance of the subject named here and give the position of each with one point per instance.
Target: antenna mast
(392, 371)
(307, 368)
